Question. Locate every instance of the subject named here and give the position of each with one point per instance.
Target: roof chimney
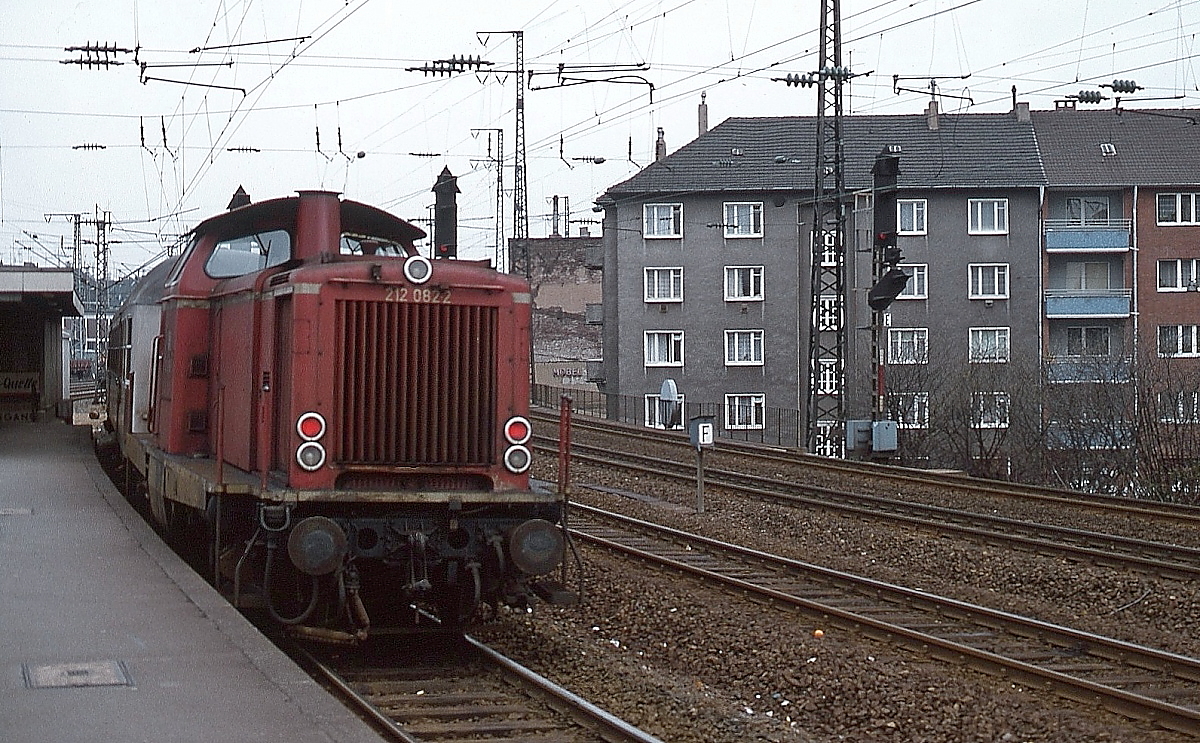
(702, 112)
(445, 215)
(240, 198)
(1022, 111)
(660, 147)
(931, 116)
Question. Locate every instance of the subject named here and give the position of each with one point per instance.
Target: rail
(1136, 681)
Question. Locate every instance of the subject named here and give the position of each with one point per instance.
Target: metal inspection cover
(61, 675)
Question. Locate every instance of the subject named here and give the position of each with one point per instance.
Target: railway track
(1135, 681)
(743, 455)
(447, 687)
(1157, 558)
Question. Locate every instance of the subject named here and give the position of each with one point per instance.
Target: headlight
(310, 455)
(418, 269)
(517, 459)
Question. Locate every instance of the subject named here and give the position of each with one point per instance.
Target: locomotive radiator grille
(416, 384)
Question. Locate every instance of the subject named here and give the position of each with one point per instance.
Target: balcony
(1087, 303)
(1108, 369)
(1064, 236)
(1095, 435)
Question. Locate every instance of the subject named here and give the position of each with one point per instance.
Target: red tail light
(517, 430)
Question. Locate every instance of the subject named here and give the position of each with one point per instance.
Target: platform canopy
(51, 290)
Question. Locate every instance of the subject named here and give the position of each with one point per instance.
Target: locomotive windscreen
(416, 383)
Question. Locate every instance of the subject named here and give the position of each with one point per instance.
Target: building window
(918, 283)
(743, 283)
(664, 348)
(1178, 340)
(987, 216)
(744, 411)
(1178, 275)
(662, 220)
(1088, 341)
(664, 284)
(910, 216)
(1179, 407)
(911, 409)
(908, 345)
(1177, 208)
(989, 345)
(1089, 276)
(743, 347)
(744, 219)
(657, 413)
(988, 281)
(991, 410)
(1089, 210)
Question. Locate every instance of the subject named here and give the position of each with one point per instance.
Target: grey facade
(1047, 249)
(946, 161)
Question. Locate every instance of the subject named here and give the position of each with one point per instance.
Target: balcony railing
(1091, 303)
(1111, 369)
(1066, 236)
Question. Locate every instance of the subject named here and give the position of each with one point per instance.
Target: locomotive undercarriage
(355, 566)
(341, 570)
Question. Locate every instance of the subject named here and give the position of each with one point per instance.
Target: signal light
(885, 291)
(885, 239)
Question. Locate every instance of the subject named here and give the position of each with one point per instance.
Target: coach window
(353, 243)
(248, 254)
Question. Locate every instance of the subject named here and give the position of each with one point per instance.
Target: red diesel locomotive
(335, 421)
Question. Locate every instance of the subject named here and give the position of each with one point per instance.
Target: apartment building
(1040, 244)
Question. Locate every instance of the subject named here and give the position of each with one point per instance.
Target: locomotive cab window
(249, 254)
(355, 244)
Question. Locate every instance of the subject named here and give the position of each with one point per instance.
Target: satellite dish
(669, 392)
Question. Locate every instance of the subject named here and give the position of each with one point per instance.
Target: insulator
(1125, 86)
(1090, 96)
(803, 81)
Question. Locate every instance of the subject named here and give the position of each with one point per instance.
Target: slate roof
(1153, 147)
(1060, 148)
(740, 154)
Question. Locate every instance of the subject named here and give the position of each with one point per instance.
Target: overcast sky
(267, 79)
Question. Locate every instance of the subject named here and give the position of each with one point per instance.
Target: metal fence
(780, 426)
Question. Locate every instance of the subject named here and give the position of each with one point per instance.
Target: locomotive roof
(355, 216)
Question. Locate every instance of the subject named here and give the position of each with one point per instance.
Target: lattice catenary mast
(825, 431)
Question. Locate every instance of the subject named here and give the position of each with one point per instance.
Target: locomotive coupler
(275, 518)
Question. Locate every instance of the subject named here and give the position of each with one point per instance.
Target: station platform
(106, 634)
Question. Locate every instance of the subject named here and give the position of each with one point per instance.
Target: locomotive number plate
(417, 294)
